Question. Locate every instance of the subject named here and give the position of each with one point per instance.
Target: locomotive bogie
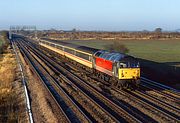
(103, 70)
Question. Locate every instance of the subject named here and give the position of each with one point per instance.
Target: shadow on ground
(166, 73)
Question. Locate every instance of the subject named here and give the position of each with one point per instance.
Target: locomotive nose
(129, 73)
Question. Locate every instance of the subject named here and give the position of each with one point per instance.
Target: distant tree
(117, 46)
(158, 30)
(74, 30)
(145, 31)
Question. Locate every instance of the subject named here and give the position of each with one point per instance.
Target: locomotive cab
(129, 71)
(125, 69)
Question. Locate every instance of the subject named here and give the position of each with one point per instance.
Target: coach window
(59, 47)
(82, 55)
(69, 51)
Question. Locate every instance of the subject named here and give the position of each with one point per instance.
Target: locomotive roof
(75, 46)
(113, 56)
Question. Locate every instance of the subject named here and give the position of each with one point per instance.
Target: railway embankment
(161, 72)
(12, 100)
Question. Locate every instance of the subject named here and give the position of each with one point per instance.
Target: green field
(159, 51)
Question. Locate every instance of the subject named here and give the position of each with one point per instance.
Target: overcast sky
(107, 15)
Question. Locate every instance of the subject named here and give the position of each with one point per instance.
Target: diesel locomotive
(119, 70)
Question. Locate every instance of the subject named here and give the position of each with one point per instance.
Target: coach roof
(75, 46)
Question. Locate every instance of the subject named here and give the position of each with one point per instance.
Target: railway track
(158, 108)
(165, 106)
(40, 76)
(115, 109)
(161, 96)
(166, 96)
(154, 111)
(162, 108)
(104, 115)
(67, 113)
(168, 91)
(170, 108)
(75, 92)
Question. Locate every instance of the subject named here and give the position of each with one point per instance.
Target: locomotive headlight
(122, 74)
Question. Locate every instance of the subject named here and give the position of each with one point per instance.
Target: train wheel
(120, 87)
(121, 84)
(106, 78)
(132, 87)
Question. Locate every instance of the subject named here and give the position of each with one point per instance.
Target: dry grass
(11, 102)
(7, 70)
(3, 44)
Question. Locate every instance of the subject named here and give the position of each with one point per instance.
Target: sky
(99, 15)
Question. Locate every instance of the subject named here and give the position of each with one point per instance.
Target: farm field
(163, 51)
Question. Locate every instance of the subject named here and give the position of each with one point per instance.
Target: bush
(117, 46)
(3, 41)
(3, 46)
